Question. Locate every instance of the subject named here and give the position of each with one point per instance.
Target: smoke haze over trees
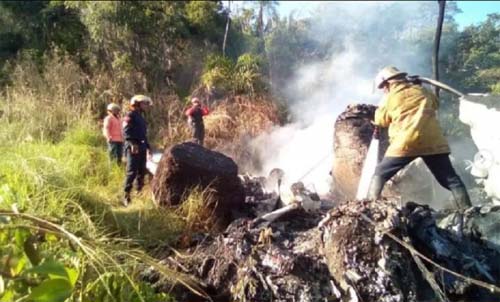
(142, 45)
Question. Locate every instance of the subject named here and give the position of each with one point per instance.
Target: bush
(495, 89)
(244, 76)
(218, 72)
(248, 76)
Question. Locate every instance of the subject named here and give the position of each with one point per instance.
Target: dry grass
(197, 211)
(235, 121)
(42, 106)
(168, 124)
(229, 128)
(240, 115)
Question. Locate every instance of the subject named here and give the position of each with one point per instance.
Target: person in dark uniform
(195, 115)
(137, 148)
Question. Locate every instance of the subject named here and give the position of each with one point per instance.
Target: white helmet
(386, 74)
(140, 98)
(195, 100)
(112, 107)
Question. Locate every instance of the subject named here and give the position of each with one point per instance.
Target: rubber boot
(376, 186)
(126, 199)
(461, 197)
(462, 201)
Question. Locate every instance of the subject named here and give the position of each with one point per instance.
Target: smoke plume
(360, 38)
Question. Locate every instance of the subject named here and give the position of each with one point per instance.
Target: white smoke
(304, 149)
(362, 40)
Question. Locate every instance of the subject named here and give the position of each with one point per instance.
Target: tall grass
(197, 211)
(74, 181)
(54, 168)
(41, 106)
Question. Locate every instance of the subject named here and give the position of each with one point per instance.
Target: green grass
(73, 184)
(60, 200)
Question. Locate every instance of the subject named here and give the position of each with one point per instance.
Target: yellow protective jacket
(410, 113)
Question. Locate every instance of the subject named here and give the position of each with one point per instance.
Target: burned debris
(288, 244)
(356, 251)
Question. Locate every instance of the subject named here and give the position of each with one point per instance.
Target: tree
(207, 18)
(36, 26)
(267, 8)
(228, 21)
(437, 42)
(134, 42)
(288, 46)
(472, 61)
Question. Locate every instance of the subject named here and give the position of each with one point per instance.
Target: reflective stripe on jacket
(410, 113)
(112, 129)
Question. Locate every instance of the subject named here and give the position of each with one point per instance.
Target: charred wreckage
(272, 246)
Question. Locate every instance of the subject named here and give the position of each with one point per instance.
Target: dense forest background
(94, 53)
(175, 47)
(63, 233)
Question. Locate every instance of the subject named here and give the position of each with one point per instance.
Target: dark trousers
(198, 133)
(115, 150)
(439, 165)
(136, 169)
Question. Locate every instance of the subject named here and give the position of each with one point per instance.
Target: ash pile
(356, 251)
(378, 251)
(272, 254)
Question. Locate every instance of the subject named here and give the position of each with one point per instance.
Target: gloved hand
(134, 149)
(376, 132)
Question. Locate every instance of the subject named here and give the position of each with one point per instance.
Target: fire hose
(437, 84)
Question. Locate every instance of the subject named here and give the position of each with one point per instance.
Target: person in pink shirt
(112, 130)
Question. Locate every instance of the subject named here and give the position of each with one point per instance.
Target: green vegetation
(65, 215)
(63, 233)
(238, 77)
(473, 60)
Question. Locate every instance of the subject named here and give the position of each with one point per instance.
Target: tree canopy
(159, 46)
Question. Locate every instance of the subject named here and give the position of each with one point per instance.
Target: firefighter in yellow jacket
(409, 111)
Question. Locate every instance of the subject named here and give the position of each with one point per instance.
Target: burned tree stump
(187, 166)
(352, 137)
